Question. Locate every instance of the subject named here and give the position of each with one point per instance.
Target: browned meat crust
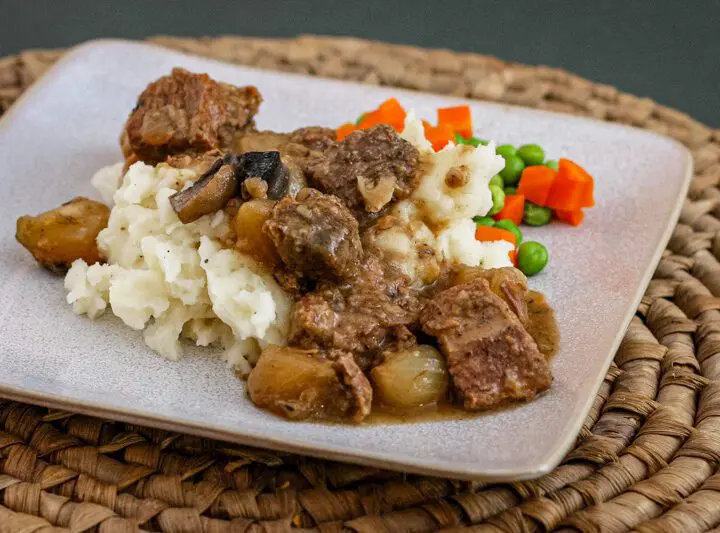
(315, 235)
(367, 170)
(314, 138)
(508, 283)
(186, 112)
(357, 388)
(491, 358)
(365, 316)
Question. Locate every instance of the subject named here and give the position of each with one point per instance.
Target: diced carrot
(373, 118)
(458, 117)
(572, 188)
(490, 234)
(574, 218)
(513, 209)
(536, 182)
(512, 254)
(390, 112)
(439, 136)
(393, 113)
(572, 168)
(345, 130)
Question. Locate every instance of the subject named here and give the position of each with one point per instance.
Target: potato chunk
(251, 239)
(58, 237)
(299, 384)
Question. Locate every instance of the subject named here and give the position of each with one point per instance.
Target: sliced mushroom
(211, 192)
(224, 179)
(269, 167)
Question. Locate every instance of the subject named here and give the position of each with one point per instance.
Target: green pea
(513, 169)
(532, 257)
(484, 221)
(471, 141)
(536, 215)
(360, 119)
(510, 226)
(509, 191)
(498, 198)
(505, 150)
(532, 154)
(497, 181)
(552, 164)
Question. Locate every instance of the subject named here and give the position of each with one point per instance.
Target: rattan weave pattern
(646, 458)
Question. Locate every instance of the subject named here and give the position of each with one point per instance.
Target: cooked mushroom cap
(267, 166)
(224, 179)
(211, 192)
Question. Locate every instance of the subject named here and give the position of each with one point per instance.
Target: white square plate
(67, 126)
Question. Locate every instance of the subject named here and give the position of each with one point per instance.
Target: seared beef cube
(314, 138)
(261, 141)
(364, 317)
(508, 283)
(357, 388)
(491, 358)
(315, 235)
(187, 112)
(198, 163)
(368, 170)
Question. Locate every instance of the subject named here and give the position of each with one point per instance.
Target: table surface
(664, 49)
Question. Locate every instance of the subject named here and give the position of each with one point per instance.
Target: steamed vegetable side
(530, 189)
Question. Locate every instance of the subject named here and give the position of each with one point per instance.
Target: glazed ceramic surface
(68, 125)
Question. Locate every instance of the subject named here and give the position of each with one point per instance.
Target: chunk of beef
(491, 358)
(314, 138)
(198, 163)
(261, 141)
(186, 112)
(315, 235)
(358, 391)
(302, 384)
(367, 170)
(508, 283)
(365, 316)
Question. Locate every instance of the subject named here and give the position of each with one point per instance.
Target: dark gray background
(668, 50)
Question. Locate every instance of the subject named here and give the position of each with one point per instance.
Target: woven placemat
(646, 458)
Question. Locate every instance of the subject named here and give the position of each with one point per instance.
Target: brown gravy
(429, 413)
(542, 325)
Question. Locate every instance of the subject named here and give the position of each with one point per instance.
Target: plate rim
(457, 470)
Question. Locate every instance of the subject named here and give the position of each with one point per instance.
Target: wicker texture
(646, 458)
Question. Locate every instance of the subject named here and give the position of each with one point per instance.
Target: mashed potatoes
(175, 280)
(438, 216)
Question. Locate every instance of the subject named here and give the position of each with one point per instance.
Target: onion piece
(411, 378)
